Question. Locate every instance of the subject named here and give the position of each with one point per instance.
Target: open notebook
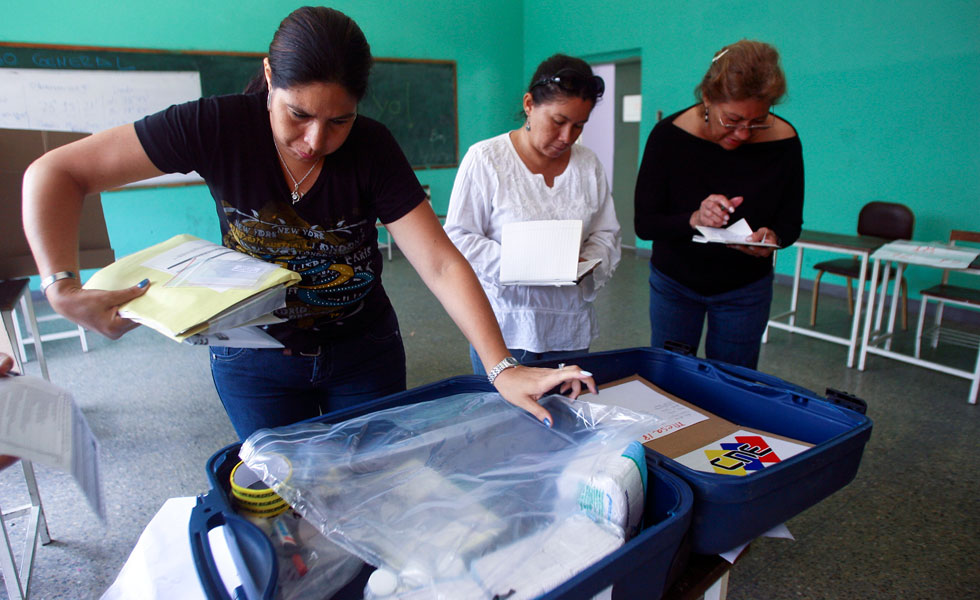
(542, 253)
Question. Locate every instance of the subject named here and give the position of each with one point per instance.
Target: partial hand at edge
(524, 386)
(6, 363)
(762, 234)
(97, 310)
(714, 211)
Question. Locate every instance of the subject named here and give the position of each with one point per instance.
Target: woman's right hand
(97, 310)
(714, 211)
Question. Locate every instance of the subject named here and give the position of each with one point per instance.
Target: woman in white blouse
(538, 172)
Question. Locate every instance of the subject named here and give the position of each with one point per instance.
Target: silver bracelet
(50, 279)
(507, 363)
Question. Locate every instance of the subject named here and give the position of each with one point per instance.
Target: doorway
(613, 133)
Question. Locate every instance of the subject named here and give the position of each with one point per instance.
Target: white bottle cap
(382, 583)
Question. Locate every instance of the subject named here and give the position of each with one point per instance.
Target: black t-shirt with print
(329, 237)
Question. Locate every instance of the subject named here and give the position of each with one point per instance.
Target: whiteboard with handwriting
(90, 101)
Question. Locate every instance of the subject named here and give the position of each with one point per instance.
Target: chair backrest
(958, 235)
(888, 220)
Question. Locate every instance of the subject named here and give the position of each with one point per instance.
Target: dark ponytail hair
(317, 44)
(561, 76)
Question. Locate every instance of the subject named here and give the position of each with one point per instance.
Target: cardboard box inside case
(729, 511)
(694, 428)
(18, 149)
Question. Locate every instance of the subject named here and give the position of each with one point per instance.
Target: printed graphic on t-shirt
(334, 262)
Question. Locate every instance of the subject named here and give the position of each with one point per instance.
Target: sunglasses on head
(573, 83)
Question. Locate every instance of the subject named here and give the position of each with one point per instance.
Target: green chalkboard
(415, 99)
(221, 72)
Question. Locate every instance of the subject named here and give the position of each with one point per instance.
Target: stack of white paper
(40, 422)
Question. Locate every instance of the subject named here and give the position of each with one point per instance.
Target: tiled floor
(908, 526)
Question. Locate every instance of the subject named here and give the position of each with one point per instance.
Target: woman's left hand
(762, 234)
(524, 386)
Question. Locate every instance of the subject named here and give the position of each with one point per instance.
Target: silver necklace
(296, 194)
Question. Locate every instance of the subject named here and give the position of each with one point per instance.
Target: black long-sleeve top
(679, 170)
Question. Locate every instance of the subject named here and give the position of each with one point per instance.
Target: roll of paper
(608, 489)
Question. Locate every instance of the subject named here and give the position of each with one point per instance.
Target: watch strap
(506, 363)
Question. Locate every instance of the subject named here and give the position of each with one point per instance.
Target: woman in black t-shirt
(298, 179)
(724, 159)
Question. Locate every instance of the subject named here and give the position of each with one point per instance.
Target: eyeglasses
(573, 83)
(765, 123)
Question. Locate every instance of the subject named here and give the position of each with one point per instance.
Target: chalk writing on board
(416, 100)
(88, 101)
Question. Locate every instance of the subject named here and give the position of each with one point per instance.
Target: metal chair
(18, 580)
(957, 295)
(887, 220)
(12, 292)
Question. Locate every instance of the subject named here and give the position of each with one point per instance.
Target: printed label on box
(740, 454)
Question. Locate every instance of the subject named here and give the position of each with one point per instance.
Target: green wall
(885, 95)
(488, 73)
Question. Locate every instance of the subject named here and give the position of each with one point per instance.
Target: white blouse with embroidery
(493, 187)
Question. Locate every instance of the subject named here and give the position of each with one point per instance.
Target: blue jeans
(268, 388)
(736, 319)
(523, 356)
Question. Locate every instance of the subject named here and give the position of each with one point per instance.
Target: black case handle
(847, 400)
(253, 549)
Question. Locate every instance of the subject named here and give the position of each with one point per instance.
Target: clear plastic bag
(457, 497)
(311, 567)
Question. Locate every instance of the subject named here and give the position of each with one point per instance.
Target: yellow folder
(195, 284)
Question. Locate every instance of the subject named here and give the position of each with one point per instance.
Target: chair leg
(850, 297)
(813, 301)
(31, 319)
(82, 338)
(975, 386)
(905, 306)
(18, 335)
(35, 495)
(11, 578)
(10, 328)
(918, 328)
(939, 319)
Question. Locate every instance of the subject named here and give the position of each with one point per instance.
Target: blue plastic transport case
(727, 511)
(642, 568)
(730, 510)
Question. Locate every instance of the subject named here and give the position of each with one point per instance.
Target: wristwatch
(507, 363)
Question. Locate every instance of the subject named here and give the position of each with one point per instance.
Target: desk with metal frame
(859, 246)
(872, 338)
